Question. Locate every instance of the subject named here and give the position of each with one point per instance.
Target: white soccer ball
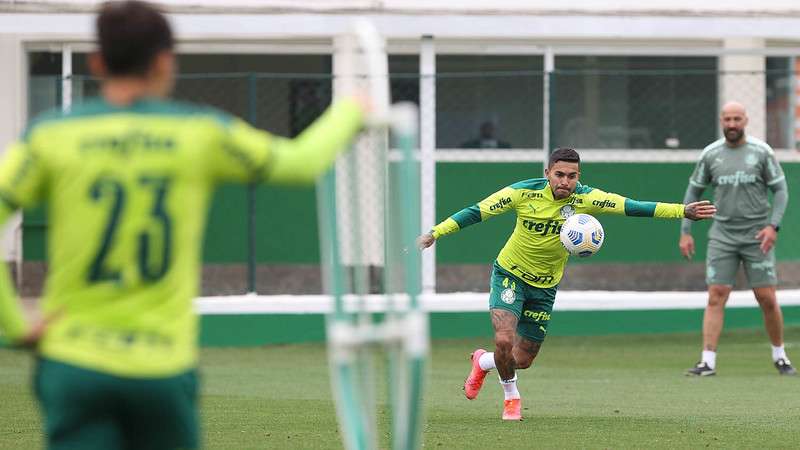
(582, 235)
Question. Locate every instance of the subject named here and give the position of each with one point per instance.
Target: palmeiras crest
(508, 296)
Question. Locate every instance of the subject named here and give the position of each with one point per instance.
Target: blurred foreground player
(127, 179)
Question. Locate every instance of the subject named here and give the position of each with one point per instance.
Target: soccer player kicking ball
(127, 179)
(528, 269)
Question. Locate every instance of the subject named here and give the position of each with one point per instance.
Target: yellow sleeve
(247, 154)
(498, 203)
(670, 210)
(445, 227)
(22, 176)
(21, 183)
(600, 202)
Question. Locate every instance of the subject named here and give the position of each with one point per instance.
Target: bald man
(741, 170)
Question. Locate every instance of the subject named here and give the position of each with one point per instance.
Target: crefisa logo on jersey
(740, 177)
(501, 203)
(567, 211)
(604, 204)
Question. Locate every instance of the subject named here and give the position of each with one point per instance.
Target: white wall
(540, 29)
(676, 7)
(12, 117)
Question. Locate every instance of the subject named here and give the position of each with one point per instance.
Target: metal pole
(549, 66)
(251, 194)
(427, 104)
(791, 133)
(66, 77)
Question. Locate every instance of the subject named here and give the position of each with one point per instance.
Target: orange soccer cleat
(474, 382)
(512, 409)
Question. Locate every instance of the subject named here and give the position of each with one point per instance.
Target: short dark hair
(130, 35)
(564, 154)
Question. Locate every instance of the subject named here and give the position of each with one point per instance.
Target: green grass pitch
(624, 391)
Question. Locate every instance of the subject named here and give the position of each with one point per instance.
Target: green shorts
(86, 410)
(723, 259)
(532, 306)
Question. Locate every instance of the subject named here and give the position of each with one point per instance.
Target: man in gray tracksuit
(741, 170)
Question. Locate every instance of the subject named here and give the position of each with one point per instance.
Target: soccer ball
(582, 235)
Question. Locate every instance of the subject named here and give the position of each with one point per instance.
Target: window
(634, 102)
(404, 78)
(279, 93)
(780, 116)
(492, 101)
(44, 82)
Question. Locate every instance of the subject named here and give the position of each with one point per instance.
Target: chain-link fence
(587, 109)
(642, 110)
(480, 103)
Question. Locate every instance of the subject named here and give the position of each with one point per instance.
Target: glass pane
(489, 101)
(634, 102)
(404, 78)
(291, 91)
(279, 93)
(779, 103)
(44, 82)
(80, 64)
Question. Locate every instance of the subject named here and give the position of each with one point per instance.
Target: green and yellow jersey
(127, 192)
(534, 251)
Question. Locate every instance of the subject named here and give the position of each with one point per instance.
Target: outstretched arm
(247, 154)
(600, 202)
(498, 203)
(303, 159)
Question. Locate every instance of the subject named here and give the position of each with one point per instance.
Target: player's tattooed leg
(525, 351)
(505, 326)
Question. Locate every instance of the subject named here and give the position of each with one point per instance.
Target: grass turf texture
(583, 392)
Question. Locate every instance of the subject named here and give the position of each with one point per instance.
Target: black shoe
(784, 367)
(701, 369)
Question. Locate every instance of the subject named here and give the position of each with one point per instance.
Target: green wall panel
(226, 230)
(34, 227)
(286, 218)
(628, 239)
(286, 224)
(260, 329)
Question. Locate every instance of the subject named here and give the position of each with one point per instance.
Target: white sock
(779, 352)
(709, 358)
(486, 361)
(510, 388)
